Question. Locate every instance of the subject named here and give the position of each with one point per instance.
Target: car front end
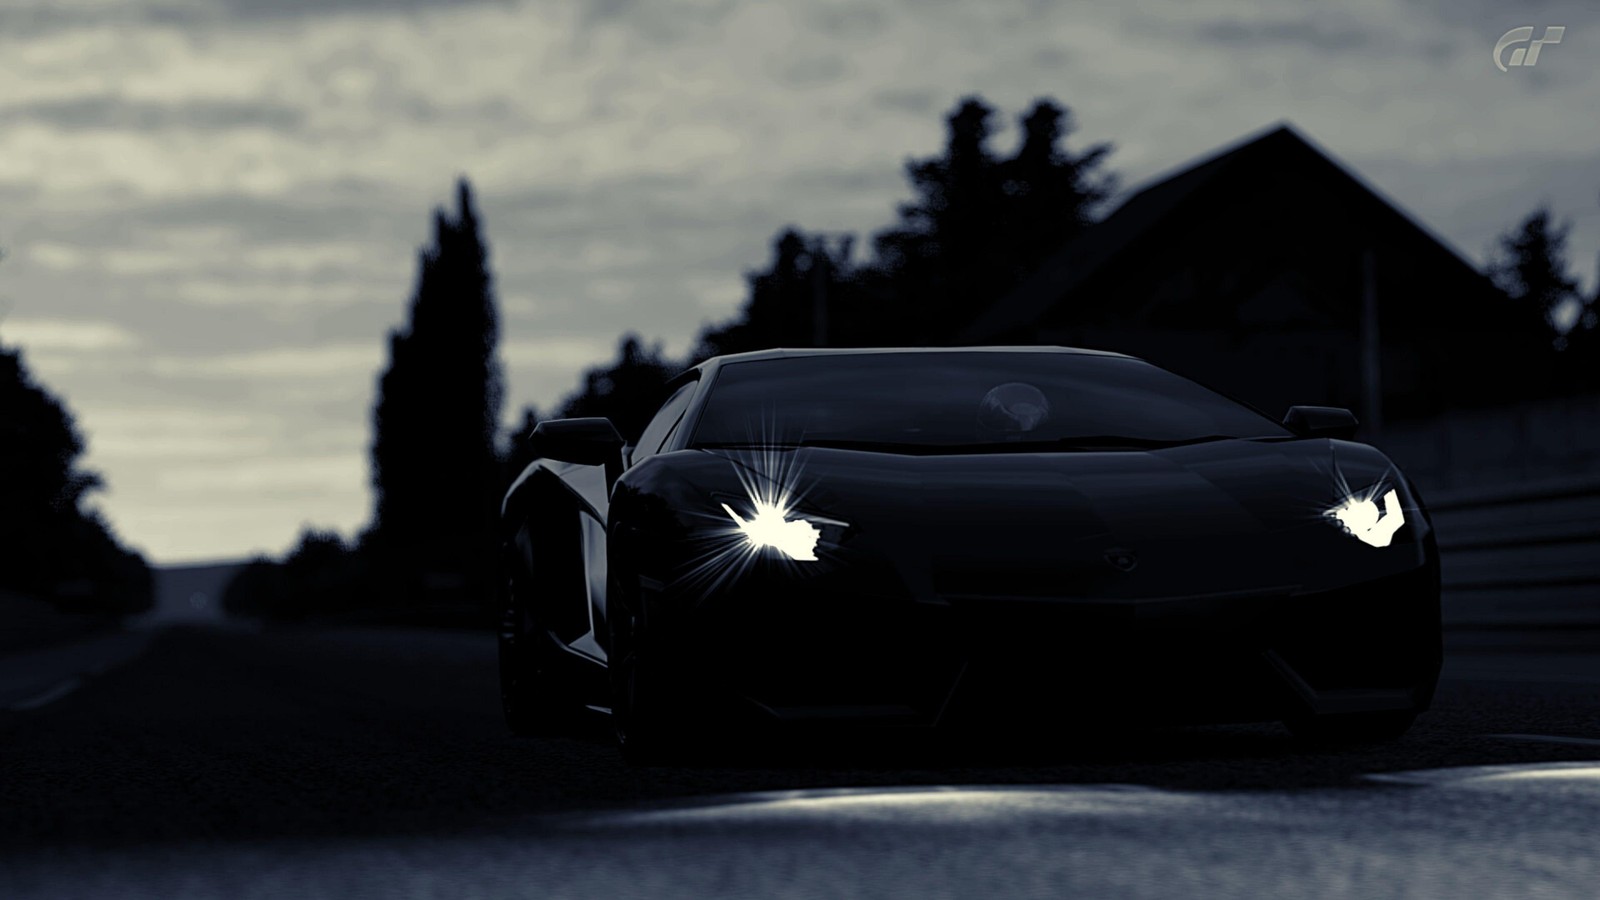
(1225, 581)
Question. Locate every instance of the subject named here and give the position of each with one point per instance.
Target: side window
(660, 427)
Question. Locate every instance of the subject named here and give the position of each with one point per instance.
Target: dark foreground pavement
(343, 764)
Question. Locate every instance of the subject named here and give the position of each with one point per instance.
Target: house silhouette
(1275, 274)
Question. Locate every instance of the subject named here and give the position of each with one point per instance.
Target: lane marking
(56, 692)
(65, 668)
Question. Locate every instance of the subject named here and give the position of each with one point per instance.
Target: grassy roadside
(28, 623)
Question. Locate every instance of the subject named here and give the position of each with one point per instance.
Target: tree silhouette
(805, 297)
(259, 590)
(49, 544)
(1582, 353)
(976, 226)
(520, 451)
(1580, 358)
(1532, 267)
(319, 577)
(1050, 195)
(979, 224)
(935, 256)
(626, 391)
(435, 467)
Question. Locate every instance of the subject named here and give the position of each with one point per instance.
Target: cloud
(1491, 13)
(276, 9)
(53, 255)
(1327, 34)
(846, 21)
(29, 18)
(811, 71)
(911, 100)
(322, 364)
(166, 435)
(320, 211)
(334, 472)
(186, 254)
(67, 336)
(658, 23)
(564, 353)
(241, 506)
(111, 112)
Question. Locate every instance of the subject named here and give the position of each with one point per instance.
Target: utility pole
(821, 279)
(820, 273)
(1371, 346)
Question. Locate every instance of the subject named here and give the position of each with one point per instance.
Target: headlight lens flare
(769, 526)
(1369, 518)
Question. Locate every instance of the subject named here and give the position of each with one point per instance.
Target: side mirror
(589, 442)
(1321, 422)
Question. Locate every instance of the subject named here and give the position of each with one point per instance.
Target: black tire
(531, 694)
(637, 716)
(1347, 729)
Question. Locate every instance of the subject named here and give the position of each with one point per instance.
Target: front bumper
(849, 646)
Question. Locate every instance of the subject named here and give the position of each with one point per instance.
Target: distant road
(191, 593)
(373, 763)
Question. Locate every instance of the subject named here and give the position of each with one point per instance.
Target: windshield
(1000, 400)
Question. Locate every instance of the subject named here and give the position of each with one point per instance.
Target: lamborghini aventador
(957, 537)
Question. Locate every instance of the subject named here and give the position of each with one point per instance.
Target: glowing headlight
(770, 526)
(1369, 518)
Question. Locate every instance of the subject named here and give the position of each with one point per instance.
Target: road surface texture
(215, 762)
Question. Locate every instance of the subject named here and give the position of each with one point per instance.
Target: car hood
(1221, 517)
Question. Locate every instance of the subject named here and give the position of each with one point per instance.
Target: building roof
(1080, 259)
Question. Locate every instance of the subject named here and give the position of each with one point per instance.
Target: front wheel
(641, 725)
(531, 695)
(1351, 728)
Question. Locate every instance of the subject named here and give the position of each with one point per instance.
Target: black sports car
(958, 536)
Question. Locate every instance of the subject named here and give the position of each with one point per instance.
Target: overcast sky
(210, 208)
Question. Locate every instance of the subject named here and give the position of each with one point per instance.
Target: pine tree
(435, 467)
(979, 224)
(804, 298)
(1532, 267)
(1051, 195)
(1580, 358)
(934, 258)
(626, 391)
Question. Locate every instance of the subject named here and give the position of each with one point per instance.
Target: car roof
(798, 352)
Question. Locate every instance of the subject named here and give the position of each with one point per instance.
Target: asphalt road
(214, 762)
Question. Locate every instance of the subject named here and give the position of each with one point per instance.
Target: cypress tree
(435, 466)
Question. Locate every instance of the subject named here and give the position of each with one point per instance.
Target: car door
(595, 486)
(556, 513)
